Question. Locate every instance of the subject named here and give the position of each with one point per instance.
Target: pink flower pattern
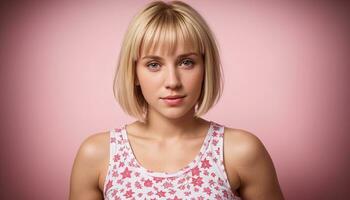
(203, 178)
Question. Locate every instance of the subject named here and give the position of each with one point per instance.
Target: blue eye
(187, 62)
(153, 66)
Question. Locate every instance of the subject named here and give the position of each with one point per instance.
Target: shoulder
(247, 159)
(244, 153)
(243, 147)
(92, 156)
(94, 148)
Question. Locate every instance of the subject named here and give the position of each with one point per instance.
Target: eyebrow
(180, 56)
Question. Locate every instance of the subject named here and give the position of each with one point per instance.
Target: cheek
(194, 82)
(147, 83)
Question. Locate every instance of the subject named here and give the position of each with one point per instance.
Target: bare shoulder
(244, 145)
(94, 147)
(93, 150)
(247, 159)
(92, 156)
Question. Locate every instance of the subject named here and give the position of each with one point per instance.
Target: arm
(253, 165)
(84, 181)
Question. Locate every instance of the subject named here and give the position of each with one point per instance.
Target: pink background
(286, 76)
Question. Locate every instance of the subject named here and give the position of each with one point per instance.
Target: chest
(200, 179)
(165, 157)
(206, 171)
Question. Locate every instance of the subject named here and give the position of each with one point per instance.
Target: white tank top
(203, 178)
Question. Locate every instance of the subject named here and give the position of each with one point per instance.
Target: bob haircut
(166, 24)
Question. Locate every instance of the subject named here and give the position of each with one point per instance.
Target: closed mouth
(173, 97)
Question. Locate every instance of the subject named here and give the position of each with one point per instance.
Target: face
(171, 84)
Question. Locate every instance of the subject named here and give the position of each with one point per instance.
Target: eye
(187, 62)
(153, 66)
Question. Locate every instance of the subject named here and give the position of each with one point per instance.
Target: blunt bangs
(166, 30)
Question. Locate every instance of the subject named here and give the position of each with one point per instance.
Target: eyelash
(187, 59)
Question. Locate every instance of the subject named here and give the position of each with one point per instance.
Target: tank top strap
(116, 145)
(217, 151)
(217, 141)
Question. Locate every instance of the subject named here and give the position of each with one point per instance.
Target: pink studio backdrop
(286, 70)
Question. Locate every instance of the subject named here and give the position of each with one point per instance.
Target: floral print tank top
(203, 178)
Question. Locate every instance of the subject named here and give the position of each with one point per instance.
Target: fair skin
(172, 137)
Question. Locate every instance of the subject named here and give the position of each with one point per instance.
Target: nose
(172, 80)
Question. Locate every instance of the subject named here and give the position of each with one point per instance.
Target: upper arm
(254, 166)
(86, 168)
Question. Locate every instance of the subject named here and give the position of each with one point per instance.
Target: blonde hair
(165, 24)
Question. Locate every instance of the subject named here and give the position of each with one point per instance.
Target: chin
(174, 116)
(175, 113)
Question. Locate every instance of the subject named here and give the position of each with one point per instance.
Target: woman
(169, 75)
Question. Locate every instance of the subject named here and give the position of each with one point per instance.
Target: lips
(173, 97)
(174, 100)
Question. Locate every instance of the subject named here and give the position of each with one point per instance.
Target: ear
(137, 83)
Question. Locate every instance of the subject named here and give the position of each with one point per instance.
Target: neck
(161, 128)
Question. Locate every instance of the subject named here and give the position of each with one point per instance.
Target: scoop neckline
(184, 169)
